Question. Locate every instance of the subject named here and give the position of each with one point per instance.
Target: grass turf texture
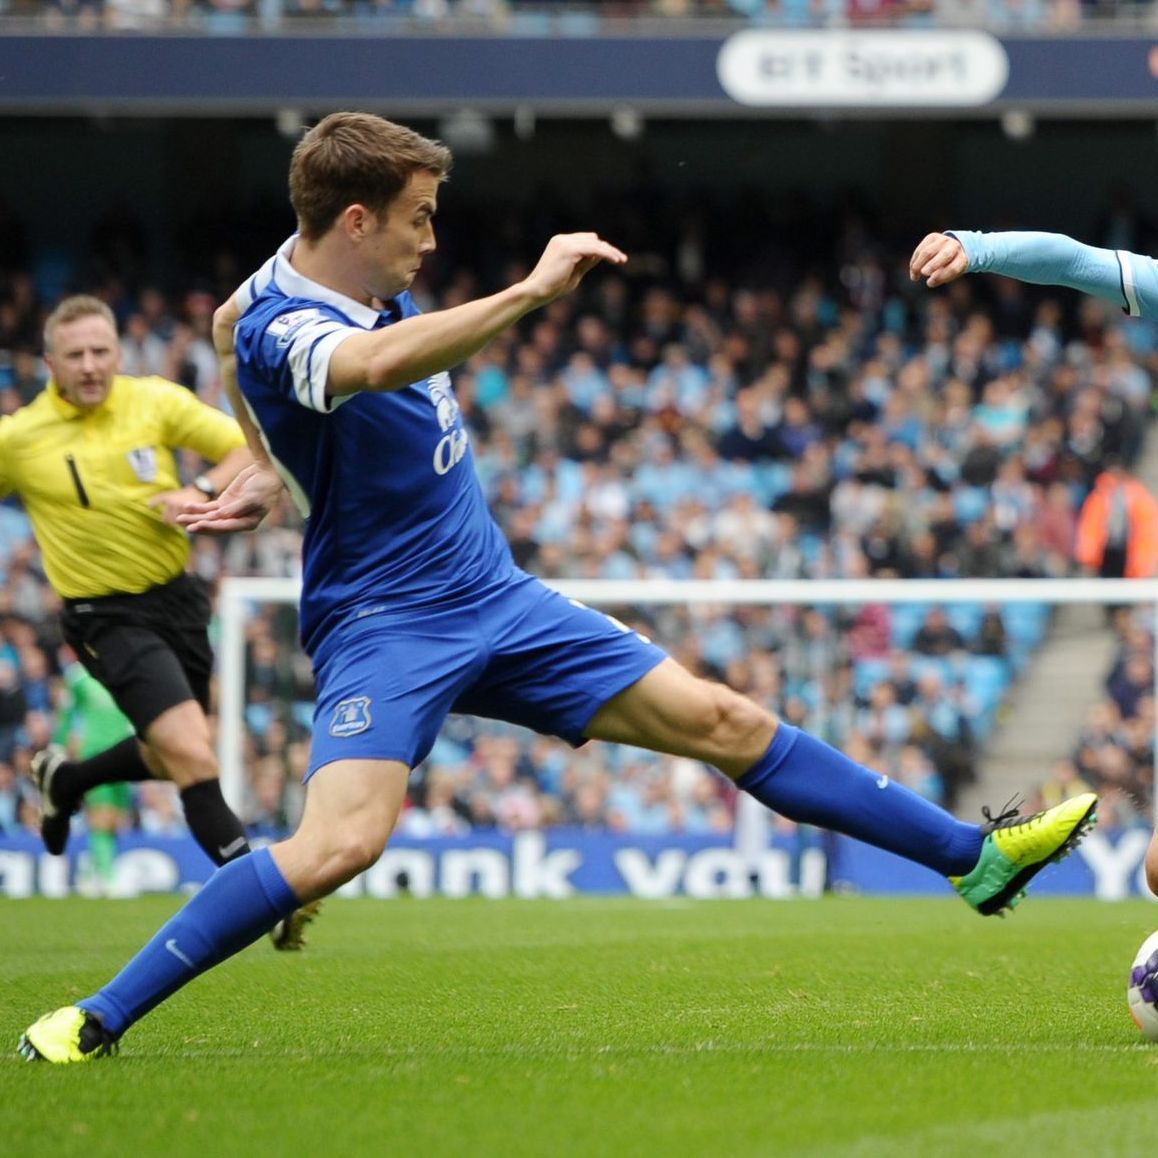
(601, 1027)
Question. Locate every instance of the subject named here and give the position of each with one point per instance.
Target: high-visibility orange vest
(1142, 522)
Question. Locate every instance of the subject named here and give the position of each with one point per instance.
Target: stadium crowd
(571, 17)
(1114, 748)
(794, 410)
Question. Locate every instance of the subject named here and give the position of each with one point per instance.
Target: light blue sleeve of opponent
(1130, 279)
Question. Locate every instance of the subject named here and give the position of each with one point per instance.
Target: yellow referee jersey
(86, 477)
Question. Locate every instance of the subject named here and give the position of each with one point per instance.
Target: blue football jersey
(396, 520)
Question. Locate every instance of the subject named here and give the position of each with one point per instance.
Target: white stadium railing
(238, 595)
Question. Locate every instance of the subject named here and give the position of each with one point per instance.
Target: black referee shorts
(151, 651)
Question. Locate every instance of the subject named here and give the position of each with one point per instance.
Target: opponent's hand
(939, 259)
(240, 507)
(568, 258)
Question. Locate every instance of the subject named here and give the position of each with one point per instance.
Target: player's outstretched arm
(1130, 280)
(391, 358)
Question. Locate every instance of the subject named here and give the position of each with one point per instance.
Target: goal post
(238, 595)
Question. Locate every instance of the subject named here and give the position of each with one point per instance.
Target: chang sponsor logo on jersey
(284, 326)
(351, 717)
(452, 446)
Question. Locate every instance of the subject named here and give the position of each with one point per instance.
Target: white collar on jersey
(295, 285)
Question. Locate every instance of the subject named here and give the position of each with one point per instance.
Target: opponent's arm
(1129, 279)
(393, 357)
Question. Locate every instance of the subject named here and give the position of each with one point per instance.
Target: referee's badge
(350, 717)
(143, 460)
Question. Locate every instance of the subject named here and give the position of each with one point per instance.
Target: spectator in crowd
(439, 814)
(937, 636)
(1117, 529)
(159, 810)
(916, 770)
(13, 707)
(17, 803)
(883, 722)
(942, 728)
(1064, 782)
(144, 352)
(991, 637)
(1131, 681)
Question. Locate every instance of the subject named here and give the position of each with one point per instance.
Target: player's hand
(170, 504)
(939, 259)
(568, 258)
(240, 507)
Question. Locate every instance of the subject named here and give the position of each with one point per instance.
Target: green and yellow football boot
(1016, 848)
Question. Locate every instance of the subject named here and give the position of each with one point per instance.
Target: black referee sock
(122, 762)
(212, 822)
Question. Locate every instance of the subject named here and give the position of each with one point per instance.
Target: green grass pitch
(848, 1026)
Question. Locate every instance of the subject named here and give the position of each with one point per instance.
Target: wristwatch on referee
(205, 485)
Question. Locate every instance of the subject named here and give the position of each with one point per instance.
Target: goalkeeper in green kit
(88, 722)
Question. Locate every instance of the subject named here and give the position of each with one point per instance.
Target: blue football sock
(242, 900)
(807, 781)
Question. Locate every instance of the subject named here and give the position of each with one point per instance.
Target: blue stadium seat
(1026, 622)
(1025, 627)
(986, 679)
(970, 503)
(939, 665)
(773, 479)
(966, 618)
(907, 619)
(866, 672)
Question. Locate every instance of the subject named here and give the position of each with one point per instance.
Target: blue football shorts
(522, 653)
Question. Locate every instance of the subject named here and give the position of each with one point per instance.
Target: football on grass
(1143, 989)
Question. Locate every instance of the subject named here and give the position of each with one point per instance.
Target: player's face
(404, 235)
(84, 357)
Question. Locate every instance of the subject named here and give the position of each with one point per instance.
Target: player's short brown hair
(356, 159)
(70, 309)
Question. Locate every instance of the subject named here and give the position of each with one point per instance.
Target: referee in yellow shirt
(92, 458)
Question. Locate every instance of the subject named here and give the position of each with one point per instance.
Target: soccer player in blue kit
(411, 604)
(1130, 280)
